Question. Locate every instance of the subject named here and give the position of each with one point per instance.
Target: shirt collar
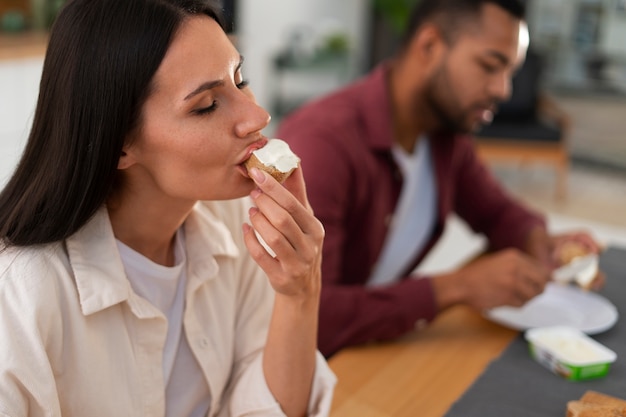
(98, 269)
(207, 237)
(97, 266)
(376, 104)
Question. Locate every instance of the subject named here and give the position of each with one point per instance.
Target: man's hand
(509, 277)
(554, 251)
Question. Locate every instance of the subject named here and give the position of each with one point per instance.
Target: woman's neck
(148, 227)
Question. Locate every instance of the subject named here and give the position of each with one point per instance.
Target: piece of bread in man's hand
(596, 404)
(570, 251)
(577, 263)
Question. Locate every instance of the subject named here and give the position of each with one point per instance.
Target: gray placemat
(514, 385)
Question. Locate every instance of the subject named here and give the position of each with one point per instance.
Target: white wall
(19, 87)
(551, 19)
(263, 26)
(613, 33)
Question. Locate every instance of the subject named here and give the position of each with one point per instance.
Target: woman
(121, 294)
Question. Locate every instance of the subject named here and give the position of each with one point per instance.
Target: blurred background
(296, 50)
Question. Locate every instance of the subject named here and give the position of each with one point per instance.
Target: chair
(529, 128)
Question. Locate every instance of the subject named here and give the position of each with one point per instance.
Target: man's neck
(408, 126)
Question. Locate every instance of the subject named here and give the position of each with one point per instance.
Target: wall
(556, 26)
(19, 87)
(262, 28)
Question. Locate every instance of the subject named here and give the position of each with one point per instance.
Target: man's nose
(500, 87)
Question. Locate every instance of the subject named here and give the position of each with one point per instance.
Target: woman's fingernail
(257, 175)
(255, 193)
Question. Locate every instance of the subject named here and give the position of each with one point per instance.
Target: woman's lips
(251, 148)
(242, 169)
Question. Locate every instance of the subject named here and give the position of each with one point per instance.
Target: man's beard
(445, 121)
(449, 119)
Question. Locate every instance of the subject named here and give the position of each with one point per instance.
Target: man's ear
(428, 44)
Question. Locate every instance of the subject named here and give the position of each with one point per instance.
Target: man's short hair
(450, 15)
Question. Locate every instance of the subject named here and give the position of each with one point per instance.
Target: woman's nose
(252, 118)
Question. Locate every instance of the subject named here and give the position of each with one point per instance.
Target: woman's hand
(284, 219)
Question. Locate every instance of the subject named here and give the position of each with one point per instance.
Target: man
(388, 158)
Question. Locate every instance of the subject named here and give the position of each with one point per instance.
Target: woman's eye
(243, 84)
(206, 110)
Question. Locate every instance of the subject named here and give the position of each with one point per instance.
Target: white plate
(559, 305)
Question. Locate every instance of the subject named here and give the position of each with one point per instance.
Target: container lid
(570, 345)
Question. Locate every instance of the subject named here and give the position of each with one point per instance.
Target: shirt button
(204, 343)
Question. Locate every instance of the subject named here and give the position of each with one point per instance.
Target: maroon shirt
(353, 184)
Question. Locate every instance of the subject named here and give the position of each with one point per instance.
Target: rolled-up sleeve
(251, 397)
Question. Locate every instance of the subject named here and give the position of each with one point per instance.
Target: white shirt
(186, 391)
(414, 217)
(76, 340)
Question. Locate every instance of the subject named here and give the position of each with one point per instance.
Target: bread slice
(585, 409)
(279, 176)
(596, 404)
(599, 398)
(275, 158)
(571, 250)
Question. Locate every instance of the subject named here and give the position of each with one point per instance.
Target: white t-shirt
(186, 393)
(415, 214)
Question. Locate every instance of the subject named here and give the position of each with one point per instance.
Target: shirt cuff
(253, 398)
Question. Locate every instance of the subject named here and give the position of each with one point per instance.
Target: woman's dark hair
(450, 15)
(101, 58)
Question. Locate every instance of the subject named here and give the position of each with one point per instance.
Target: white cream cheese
(276, 153)
(569, 345)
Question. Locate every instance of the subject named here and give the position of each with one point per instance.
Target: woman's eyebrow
(212, 84)
(203, 87)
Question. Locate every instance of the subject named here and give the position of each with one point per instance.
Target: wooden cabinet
(21, 5)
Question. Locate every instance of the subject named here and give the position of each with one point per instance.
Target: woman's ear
(126, 159)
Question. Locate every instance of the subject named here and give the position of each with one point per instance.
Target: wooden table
(22, 45)
(421, 374)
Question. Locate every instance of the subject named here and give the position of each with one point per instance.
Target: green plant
(395, 12)
(336, 43)
(54, 8)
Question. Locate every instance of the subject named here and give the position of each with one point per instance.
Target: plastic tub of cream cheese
(568, 352)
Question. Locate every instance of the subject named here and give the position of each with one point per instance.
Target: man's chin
(466, 128)
(476, 126)
(451, 129)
